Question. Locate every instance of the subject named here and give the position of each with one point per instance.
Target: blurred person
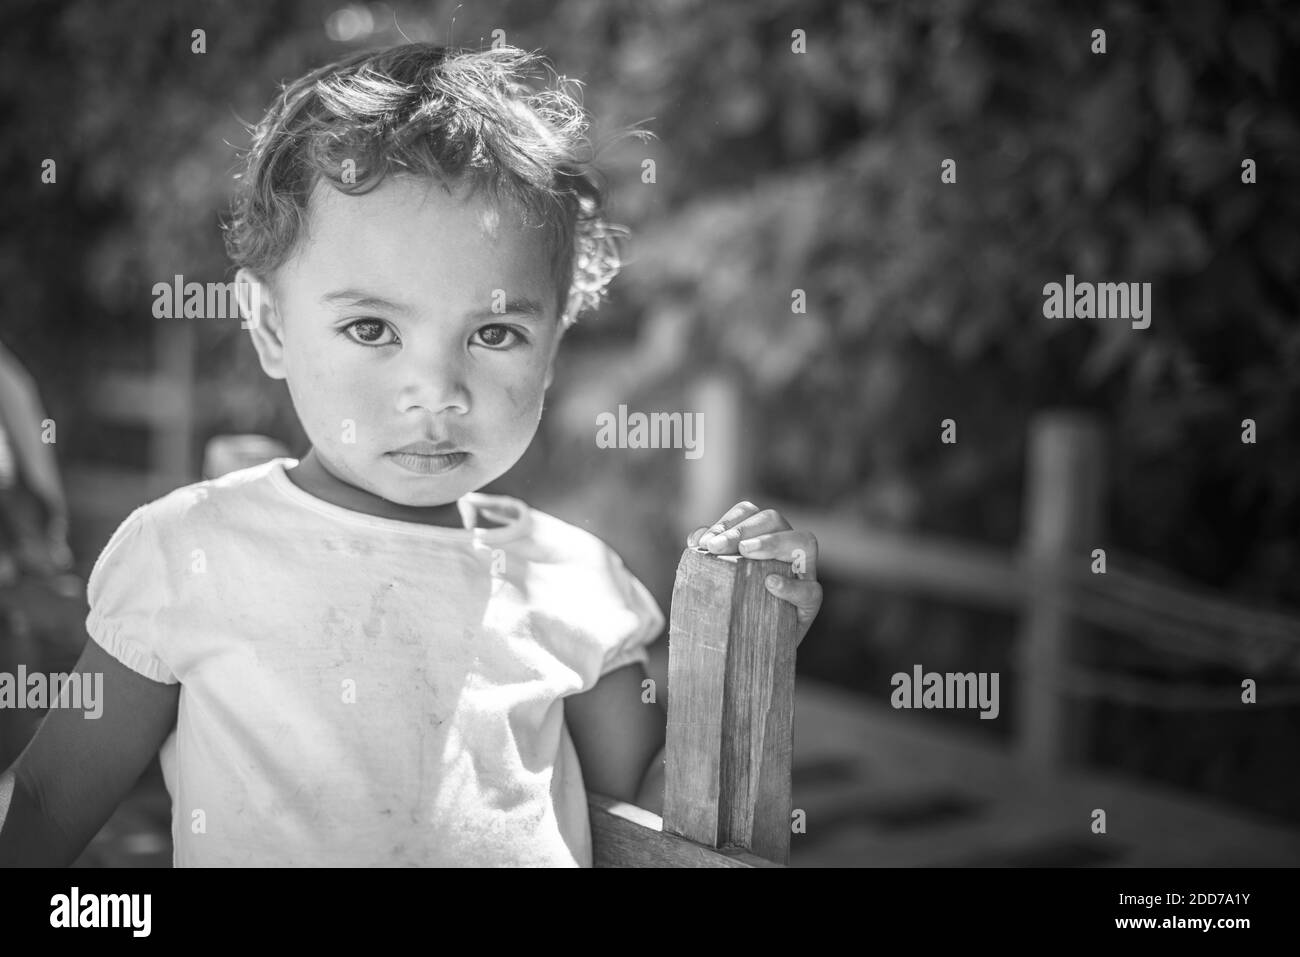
(33, 508)
(40, 598)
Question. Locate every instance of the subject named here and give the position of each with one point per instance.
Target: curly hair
(432, 111)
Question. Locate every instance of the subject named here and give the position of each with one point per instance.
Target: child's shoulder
(222, 499)
(563, 542)
(589, 582)
(217, 510)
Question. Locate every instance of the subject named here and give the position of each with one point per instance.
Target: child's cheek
(332, 394)
(525, 397)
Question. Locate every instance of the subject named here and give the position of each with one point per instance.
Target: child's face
(383, 325)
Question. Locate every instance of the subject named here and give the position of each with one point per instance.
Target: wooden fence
(1049, 580)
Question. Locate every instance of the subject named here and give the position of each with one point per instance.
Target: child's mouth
(428, 464)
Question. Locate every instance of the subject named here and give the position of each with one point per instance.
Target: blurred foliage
(925, 299)
(779, 171)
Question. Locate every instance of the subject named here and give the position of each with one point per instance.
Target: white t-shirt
(362, 691)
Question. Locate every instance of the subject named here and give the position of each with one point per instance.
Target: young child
(358, 658)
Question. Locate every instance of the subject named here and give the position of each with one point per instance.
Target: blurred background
(799, 273)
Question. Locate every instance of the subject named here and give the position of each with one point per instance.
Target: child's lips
(425, 464)
(427, 447)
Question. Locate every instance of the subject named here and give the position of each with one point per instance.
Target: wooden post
(715, 481)
(1063, 520)
(171, 451)
(731, 657)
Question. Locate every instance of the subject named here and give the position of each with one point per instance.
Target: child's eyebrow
(357, 297)
(519, 306)
(522, 306)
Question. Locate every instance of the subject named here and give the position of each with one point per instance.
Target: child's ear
(555, 349)
(263, 321)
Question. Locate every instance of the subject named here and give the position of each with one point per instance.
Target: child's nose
(434, 383)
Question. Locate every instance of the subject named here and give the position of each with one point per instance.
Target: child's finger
(724, 543)
(790, 545)
(806, 596)
(693, 539)
(737, 513)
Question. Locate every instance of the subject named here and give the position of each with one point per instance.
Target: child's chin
(426, 501)
(426, 491)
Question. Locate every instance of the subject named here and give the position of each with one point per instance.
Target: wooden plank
(956, 570)
(731, 647)
(1192, 621)
(137, 398)
(624, 835)
(111, 493)
(1131, 598)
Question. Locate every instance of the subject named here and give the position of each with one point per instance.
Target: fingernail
(747, 544)
(773, 581)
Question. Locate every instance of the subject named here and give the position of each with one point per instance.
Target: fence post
(715, 481)
(1064, 501)
(171, 451)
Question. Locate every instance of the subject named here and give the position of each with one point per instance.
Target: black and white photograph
(803, 434)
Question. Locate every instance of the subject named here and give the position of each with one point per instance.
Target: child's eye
(495, 336)
(370, 332)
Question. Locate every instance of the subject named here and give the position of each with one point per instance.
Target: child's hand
(751, 532)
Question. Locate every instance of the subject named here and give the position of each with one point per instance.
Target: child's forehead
(409, 201)
(405, 225)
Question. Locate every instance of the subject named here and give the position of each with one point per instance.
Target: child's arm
(619, 738)
(76, 770)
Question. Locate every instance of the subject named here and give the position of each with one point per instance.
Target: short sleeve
(645, 621)
(126, 592)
